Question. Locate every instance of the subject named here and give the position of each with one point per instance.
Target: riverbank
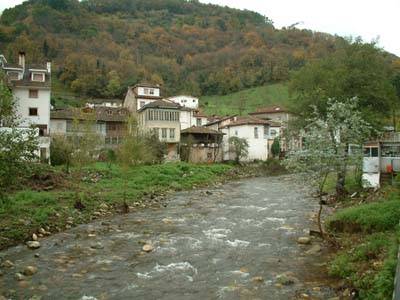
(52, 200)
(365, 228)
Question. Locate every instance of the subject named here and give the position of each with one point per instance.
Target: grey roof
(106, 114)
(26, 79)
(160, 104)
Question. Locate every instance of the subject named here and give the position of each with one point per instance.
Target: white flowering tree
(325, 151)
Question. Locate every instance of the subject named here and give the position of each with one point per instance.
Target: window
(146, 91)
(273, 132)
(371, 152)
(164, 133)
(256, 132)
(109, 112)
(142, 103)
(172, 133)
(236, 132)
(38, 77)
(42, 130)
(266, 132)
(151, 91)
(198, 122)
(33, 93)
(33, 111)
(13, 75)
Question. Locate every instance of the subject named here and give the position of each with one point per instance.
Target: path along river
(228, 242)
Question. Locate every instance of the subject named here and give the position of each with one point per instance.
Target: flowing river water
(228, 242)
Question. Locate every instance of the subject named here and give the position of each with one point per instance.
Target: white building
(192, 117)
(141, 95)
(31, 88)
(258, 133)
(186, 101)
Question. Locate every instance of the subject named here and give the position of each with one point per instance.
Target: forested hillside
(99, 47)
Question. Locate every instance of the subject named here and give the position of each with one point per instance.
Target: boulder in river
(314, 250)
(33, 244)
(34, 237)
(19, 276)
(30, 270)
(7, 264)
(148, 248)
(97, 245)
(304, 240)
(257, 279)
(286, 279)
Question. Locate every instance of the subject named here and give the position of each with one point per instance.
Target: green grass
(369, 236)
(25, 211)
(249, 100)
(378, 216)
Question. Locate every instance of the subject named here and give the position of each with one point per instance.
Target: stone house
(109, 122)
(140, 95)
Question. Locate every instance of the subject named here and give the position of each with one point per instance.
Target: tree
(239, 146)
(355, 69)
(61, 151)
(325, 147)
(18, 146)
(276, 147)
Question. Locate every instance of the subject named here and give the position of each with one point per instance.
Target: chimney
(21, 59)
(48, 67)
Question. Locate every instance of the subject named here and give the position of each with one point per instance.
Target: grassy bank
(368, 235)
(101, 189)
(247, 100)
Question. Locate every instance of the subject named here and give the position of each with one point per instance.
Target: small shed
(201, 145)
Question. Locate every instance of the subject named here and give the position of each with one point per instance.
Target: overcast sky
(370, 19)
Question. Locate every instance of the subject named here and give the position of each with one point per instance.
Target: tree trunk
(340, 184)
(321, 231)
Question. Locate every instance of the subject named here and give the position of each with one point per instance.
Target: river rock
(19, 276)
(34, 237)
(30, 270)
(33, 244)
(286, 279)
(7, 264)
(314, 250)
(2, 297)
(304, 240)
(147, 248)
(257, 279)
(97, 245)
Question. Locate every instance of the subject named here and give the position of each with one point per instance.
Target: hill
(99, 47)
(246, 101)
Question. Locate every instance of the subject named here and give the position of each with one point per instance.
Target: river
(227, 242)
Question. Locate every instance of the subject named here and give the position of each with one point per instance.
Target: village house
(274, 113)
(185, 101)
(31, 89)
(258, 133)
(201, 145)
(381, 159)
(162, 118)
(109, 123)
(216, 123)
(140, 95)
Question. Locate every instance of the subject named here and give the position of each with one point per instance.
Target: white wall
(42, 103)
(186, 101)
(186, 119)
(141, 91)
(258, 147)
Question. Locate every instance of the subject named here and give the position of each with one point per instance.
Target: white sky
(369, 19)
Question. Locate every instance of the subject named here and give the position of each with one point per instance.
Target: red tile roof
(269, 110)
